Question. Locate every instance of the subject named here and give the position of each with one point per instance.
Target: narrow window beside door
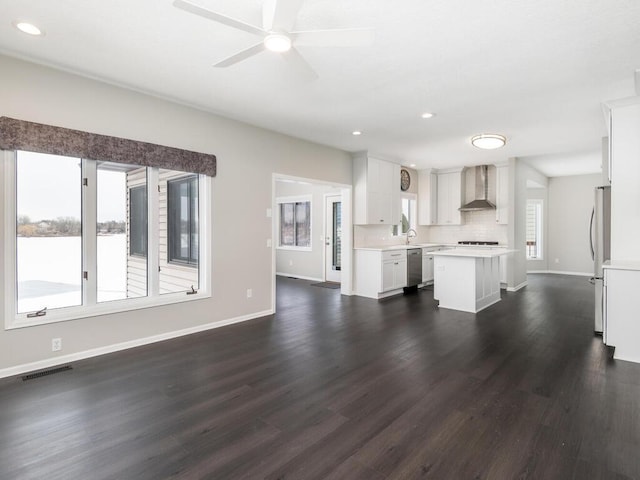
(534, 229)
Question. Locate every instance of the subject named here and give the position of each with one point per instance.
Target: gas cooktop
(476, 242)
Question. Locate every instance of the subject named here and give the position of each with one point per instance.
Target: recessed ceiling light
(488, 141)
(412, 165)
(277, 42)
(28, 28)
(356, 133)
(427, 115)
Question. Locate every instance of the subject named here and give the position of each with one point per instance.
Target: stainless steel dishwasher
(414, 269)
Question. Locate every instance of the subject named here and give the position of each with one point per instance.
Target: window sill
(298, 249)
(105, 308)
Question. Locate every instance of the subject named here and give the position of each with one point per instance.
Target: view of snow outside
(50, 272)
(49, 245)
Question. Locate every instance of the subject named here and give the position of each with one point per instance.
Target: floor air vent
(44, 373)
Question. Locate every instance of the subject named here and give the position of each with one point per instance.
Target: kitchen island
(467, 279)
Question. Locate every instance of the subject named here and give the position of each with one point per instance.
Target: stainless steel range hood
(482, 190)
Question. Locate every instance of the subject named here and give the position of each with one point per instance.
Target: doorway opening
(312, 232)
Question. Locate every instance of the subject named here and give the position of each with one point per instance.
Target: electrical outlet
(249, 293)
(291, 263)
(268, 242)
(56, 344)
(557, 260)
(268, 213)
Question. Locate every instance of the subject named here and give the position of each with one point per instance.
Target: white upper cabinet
(502, 193)
(427, 197)
(449, 197)
(625, 178)
(376, 191)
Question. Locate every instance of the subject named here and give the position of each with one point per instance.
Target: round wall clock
(405, 180)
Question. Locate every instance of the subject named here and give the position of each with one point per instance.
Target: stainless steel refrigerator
(600, 239)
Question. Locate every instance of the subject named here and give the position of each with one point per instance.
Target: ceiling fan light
(488, 141)
(277, 42)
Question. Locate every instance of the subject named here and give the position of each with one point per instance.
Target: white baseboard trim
(299, 277)
(517, 287)
(73, 357)
(561, 272)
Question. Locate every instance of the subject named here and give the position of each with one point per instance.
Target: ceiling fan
(277, 34)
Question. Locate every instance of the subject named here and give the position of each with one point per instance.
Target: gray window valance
(36, 137)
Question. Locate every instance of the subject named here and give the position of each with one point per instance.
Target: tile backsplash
(479, 225)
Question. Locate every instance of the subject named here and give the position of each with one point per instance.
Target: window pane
(286, 224)
(49, 231)
(179, 234)
(138, 226)
(337, 236)
(122, 221)
(534, 229)
(303, 224)
(405, 221)
(193, 215)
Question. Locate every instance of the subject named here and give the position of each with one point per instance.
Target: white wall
(298, 263)
(570, 204)
(247, 158)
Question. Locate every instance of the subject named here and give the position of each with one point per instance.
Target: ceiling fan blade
(190, 7)
(280, 15)
(238, 57)
(348, 37)
(299, 65)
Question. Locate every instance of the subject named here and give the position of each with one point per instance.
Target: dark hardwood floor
(344, 388)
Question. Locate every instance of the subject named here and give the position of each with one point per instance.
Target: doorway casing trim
(346, 287)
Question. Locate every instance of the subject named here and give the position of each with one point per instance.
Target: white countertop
(624, 265)
(473, 252)
(382, 248)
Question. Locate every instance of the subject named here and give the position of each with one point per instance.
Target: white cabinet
(621, 324)
(502, 193)
(449, 197)
(427, 197)
(376, 191)
(394, 270)
(427, 264)
(378, 274)
(625, 178)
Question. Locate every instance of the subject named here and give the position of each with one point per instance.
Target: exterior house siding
(172, 277)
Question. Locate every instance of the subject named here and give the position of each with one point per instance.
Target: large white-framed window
(534, 229)
(294, 223)
(408, 214)
(86, 238)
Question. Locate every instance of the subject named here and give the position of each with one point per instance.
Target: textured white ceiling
(534, 71)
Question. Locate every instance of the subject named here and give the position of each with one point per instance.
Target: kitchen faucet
(409, 236)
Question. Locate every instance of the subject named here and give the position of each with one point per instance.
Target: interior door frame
(346, 285)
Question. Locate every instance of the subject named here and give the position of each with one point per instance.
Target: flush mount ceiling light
(356, 133)
(28, 28)
(488, 141)
(277, 42)
(427, 115)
